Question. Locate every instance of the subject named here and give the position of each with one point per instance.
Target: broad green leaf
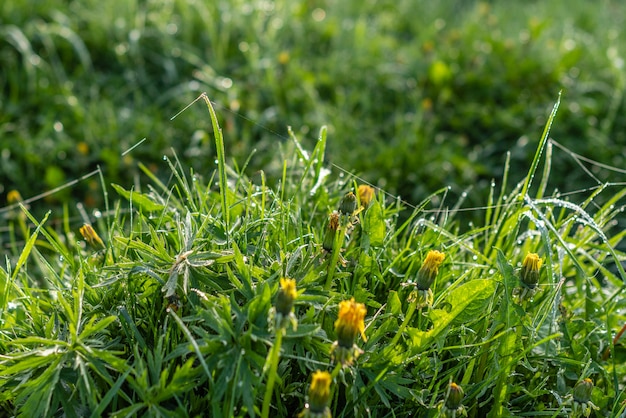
(373, 227)
(472, 296)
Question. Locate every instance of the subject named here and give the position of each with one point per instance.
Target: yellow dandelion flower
(429, 270)
(286, 295)
(530, 270)
(91, 236)
(366, 195)
(283, 57)
(319, 395)
(348, 324)
(282, 313)
(350, 321)
(13, 197)
(82, 147)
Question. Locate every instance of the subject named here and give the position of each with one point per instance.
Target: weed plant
(222, 296)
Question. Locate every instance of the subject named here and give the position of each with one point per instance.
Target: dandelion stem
(274, 358)
(335, 372)
(407, 318)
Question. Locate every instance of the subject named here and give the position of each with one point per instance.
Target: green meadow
(346, 209)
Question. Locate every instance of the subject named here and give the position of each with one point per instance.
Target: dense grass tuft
(173, 316)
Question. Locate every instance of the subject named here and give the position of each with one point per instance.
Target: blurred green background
(417, 95)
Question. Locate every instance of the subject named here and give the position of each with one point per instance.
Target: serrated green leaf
(93, 326)
(471, 296)
(373, 227)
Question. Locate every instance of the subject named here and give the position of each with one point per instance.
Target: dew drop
(97, 214)
(165, 158)
(474, 257)
(216, 161)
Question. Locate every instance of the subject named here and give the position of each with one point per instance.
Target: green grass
(172, 317)
(416, 95)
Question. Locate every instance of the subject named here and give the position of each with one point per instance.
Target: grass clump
(224, 296)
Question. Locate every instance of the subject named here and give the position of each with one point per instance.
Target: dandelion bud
(286, 295)
(582, 398)
(366, 195)
(429, 270)
(331, 232)
(582, 391)
(91, 236)
(455, 396)
(319, 392)
(348, 324)
(530, 270)
(283, 308)
(347, 205)
(350, 321)
(13, 197)
(452, 406)
(319, 395)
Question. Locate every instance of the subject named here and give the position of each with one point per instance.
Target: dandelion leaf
(373, 227)
(465, 302)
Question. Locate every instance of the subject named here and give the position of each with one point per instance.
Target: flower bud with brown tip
(331, 232)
